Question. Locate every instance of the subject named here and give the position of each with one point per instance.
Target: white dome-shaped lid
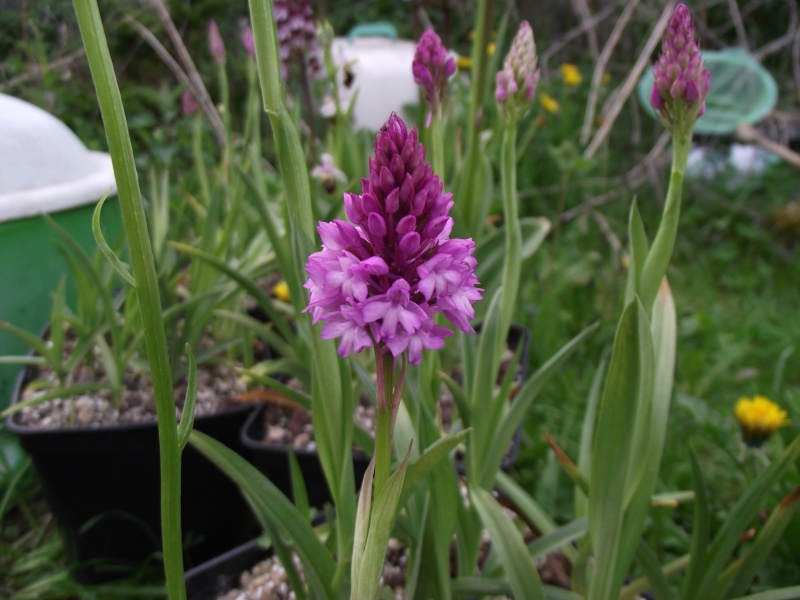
(44, 167)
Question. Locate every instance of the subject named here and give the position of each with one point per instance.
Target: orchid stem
(383, 429)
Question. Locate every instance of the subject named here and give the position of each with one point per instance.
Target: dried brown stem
(35, 71)
(602, 65)
(198, 87)
(622, 93)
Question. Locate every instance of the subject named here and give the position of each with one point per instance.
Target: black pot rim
(32, 432)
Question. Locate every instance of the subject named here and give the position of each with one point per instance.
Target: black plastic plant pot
(102, 484)
(217, 576)
(273, 461)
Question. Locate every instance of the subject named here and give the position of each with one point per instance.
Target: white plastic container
(44, 168)
(381, 72)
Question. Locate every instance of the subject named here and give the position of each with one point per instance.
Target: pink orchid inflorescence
(681, 79)
(383, 277)
(297, 35)
(432, 67)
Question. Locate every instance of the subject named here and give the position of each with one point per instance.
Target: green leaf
(648, 561)
(433, 455)
(261, 298)
(365, 584)
(362, 521)
(559, 538)
(700, 532)
(34, 342)
(740, 516)
(299, 492)
(277, 509)
(789, 593)
(526, 505)
(629, 382)
(507, 541)
(120, 267)
(770, 535)
(502, 435)
(638, 252)
(189, 403)
(587, 437)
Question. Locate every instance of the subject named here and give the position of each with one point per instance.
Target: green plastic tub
(44, 168)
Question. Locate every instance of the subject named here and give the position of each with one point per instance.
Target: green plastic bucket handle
(742, 92)
(375, 29)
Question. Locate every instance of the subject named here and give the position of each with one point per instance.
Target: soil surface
(218, 386)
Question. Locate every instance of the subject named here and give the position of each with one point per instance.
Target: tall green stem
(224, 91)
(437, 141)
(657, 261)
(383, 427)
(332, 406)
(467, 190)
(199, 163)
(144, 272)
(513, 232)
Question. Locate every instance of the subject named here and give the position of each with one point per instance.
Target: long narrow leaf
(740, 516)
(433, 455)
(120, 267)
(648, 561)
(525, 397)
(758, 553)
(187, 416)
(365, 586)
(274, 506)
(587, 437)
(507, 541)
(700, 532)
(629, 379)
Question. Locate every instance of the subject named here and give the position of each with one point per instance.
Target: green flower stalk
(217, 49)
(170, 439)
(681, 85)
(516, 86)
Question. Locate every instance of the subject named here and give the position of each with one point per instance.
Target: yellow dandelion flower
(491, 48)
(281, 291)
(759, 418)
(549, 103)
(463, 62)
(571, 74)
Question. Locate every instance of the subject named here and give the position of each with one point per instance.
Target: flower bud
(215, 43)
(516, 82)
(432, 68)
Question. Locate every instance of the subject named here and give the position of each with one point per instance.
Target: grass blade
(507, 541)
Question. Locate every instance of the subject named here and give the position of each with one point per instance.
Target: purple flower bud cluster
(297, 34)
(516, 82)
(681, 79)
(215, 43)
(382, 277)
(432, 68)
